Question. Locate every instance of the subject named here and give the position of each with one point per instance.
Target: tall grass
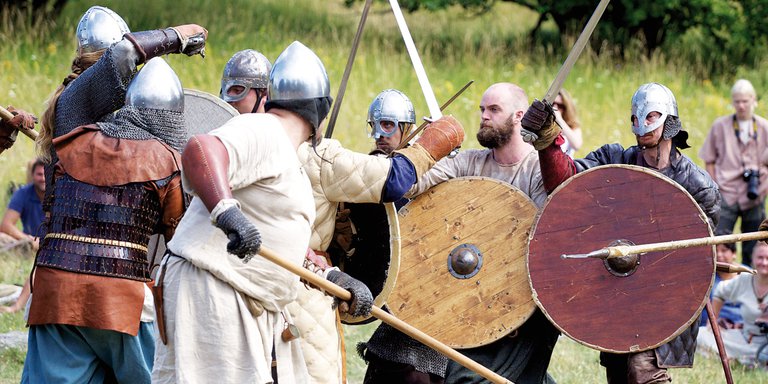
(35, 56)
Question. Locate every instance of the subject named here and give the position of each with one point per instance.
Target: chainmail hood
(135, 123)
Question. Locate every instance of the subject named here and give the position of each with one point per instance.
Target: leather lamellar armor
(100, 230)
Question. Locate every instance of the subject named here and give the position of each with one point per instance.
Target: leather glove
(362, 299)
(9, 129)
(441, 136)
(192, 38)
(539, 126)
(244, 237)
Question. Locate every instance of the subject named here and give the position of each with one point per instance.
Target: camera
(752, 177)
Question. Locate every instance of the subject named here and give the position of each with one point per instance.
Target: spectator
(568, 119)
(26, 205)
(750, 291)
(735, 156)
(729, 317)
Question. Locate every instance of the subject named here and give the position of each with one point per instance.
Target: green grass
(455, 48)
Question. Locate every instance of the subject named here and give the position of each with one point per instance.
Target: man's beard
(492, 136)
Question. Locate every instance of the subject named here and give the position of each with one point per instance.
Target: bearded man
(525, 356)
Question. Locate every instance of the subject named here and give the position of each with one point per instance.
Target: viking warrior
(214, 287)
(339, 175)
(114, 183)
(524, 357)
(244, 81)
(391, 117)
(658, 130)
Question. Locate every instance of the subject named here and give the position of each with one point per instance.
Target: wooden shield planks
(377, 255)
(490, 215)
(665, 292)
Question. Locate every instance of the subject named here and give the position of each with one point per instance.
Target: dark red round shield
(627, 305)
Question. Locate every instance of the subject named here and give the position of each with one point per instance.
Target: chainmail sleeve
(97, 92)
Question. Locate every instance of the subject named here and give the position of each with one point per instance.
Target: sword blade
(421, 127)
(429, 94)
(347, 70)
(581, 42)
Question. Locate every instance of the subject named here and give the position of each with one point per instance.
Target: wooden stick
(625, 250)
(7, 115)
(380, 314)
(719, 341)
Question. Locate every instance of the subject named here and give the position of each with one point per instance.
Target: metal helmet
(156, 86)
(298, 74)
(648, 98)
(247, 68)
(390, 105)
(99, 28)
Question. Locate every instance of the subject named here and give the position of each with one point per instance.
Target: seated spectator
(750, 291)
(26, 205)
(729, 317)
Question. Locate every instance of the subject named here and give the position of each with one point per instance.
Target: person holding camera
(735, 156)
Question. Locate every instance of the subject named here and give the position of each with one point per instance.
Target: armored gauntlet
(244, 237)
(9, 129)
(188, 39)
(362, 299)
(539, 126)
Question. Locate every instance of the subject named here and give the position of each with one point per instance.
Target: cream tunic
(212, 335)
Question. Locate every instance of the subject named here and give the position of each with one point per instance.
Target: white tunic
(212, 335)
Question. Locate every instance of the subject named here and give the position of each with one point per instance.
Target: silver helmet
(247, 68)
(390, 105)
(156, 86)
(649, 98)
(298, 74)
(99, 28)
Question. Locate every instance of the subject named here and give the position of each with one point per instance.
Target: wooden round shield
(376, 258)
(462, 275)
(627, 304)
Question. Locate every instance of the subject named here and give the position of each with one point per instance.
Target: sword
(379, 313)
(7, 115)
(626, 250)
(565, 69)
(421, 127)
(429, 94)
(347, 70)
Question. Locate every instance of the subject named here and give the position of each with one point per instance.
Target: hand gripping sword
(347, 70)
(384, 316)
(7, 115)
(565, 69)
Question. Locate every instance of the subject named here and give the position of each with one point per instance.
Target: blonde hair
(568, 112)
(48, 123)
(743, 87)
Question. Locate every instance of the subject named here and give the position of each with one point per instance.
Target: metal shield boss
(462, 275)
(203, 112)
(373, 256)
(627, 304)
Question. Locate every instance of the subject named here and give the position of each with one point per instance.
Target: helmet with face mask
(652, 97)
(98, 29)
(391, 105)
(248, 69)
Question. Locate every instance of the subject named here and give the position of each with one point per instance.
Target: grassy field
(455, 48)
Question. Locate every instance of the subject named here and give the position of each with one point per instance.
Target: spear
(626, 250)
(380, 314)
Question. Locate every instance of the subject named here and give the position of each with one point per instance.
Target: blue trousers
(70, 354)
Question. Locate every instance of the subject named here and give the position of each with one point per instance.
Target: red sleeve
(556, 165)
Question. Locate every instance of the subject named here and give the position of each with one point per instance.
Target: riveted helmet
(649, 98)
(99, 28)
(391, 105)
(298, 74)
(247, 69)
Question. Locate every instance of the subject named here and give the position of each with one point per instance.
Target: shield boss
(620, 305)
(462, 275)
